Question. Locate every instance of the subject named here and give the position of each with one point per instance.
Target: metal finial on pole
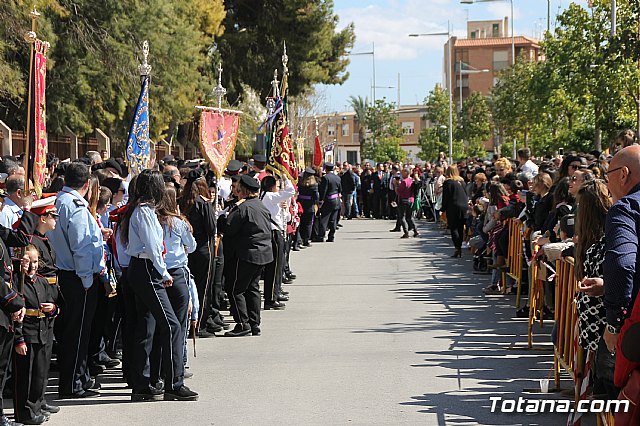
(274, 83)
(285, 59)
(317, 133)
(144, 68)
(219, 91)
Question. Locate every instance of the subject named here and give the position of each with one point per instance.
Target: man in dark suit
(330, 189)
(348, 181)
(365, 180)
(380, 188)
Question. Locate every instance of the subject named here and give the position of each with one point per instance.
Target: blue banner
(138, 144)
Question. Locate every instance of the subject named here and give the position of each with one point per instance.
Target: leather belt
(35, 313)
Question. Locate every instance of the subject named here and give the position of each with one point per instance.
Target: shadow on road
(487, 355)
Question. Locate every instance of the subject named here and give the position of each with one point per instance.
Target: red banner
(317, 153)
(37, 117)
(283, 156)
(218, 131)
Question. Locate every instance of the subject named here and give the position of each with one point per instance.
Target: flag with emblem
(218, 131)
(138, 152)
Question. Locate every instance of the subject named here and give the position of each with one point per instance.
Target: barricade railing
(536, 298)
(568, 355)
(514, 257)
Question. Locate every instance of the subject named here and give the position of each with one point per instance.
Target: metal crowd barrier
(536, 299)
(514, 257)
(567, 355)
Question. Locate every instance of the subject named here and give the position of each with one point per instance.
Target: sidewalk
(378, 331)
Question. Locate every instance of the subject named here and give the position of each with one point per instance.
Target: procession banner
(138, 144)
(300, 151)
(37, 140)
(328, 154)
(317, 152)
(218, 131)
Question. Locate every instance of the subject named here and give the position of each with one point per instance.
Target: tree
(360, 106)
(385, 134)
(475, 125)
(253, 43)
(435, 139)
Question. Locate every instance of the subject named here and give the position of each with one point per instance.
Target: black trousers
(202, 266)
(30, 374)
(241, 285)
(129, 318)
(218, 283)
(455, 221)
(273, 271)
(179, 298)
(156, 320)
(380, 204)
(97, 342)
(6, 349)
(405, 216)
(366, 203)
(306, 224)
(329, 213)
(73, 331)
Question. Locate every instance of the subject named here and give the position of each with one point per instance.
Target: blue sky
(387, 23)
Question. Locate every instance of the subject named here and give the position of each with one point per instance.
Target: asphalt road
(379, 331)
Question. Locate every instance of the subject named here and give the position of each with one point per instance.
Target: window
(331, 130)
(352, 157)
(500, 60)
(345, 130)
(408, 128)
(496, 30)
(474, 34)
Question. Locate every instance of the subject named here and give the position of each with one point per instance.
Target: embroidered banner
(218, 131)
(38, 145)
(300, 151)
(282, 158)
(138, 144)
(317, 153)
(328, 153)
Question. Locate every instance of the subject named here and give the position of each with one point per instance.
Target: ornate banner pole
(31, 38)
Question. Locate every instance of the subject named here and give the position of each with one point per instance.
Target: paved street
(378, 331)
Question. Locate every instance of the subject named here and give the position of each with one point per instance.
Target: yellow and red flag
(37, 131)
(218, 131)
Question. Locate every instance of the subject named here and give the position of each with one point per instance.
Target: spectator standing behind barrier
(621, 229)
(454, 205)
(590, 253)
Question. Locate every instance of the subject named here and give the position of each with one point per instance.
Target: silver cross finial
(219, 91)
(145, 68)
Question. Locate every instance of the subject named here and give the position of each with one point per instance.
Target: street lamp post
(462, 72)
(449, 73)
(373, 55)
(513, 43)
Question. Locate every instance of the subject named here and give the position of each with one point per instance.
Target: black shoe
(287, 281)
(37, 420)
(415, 233)
(188, 374)
(183, 393)
(238, 331)
(204, 334)
(78, 395)
(215, 328)
(318, 240)
(92, 385)
(523, 312)
(405, 235)
(306, 244)
(276, 306)
(110, 363)
(96, 370)
(395, 230)
(146, 395)
(329, 240)
(255, 330)
(50, 408)
(115, 355)
(283, 298)
(339, 226)
(291, 276)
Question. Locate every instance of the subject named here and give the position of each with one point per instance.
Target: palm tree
(360, 107)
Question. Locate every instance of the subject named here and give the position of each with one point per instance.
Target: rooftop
(499, 41)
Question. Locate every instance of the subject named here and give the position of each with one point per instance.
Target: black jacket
(454, 198)
(34, 329)
(379, 183)
(247, 234)
(330, 184)
(348, 182)
(203, 220)
(308, 196)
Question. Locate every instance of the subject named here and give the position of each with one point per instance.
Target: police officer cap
(194, 174)
(329, 166)
(249, 183)
(259, 158)
(234, 166)
(236, 178)
(113, 164)
(310, 171)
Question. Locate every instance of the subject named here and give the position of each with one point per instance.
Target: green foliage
(475, 125)
(385, 134)
(435, 139)
(253, 38)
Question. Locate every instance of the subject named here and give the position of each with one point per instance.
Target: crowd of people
(107, 269)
